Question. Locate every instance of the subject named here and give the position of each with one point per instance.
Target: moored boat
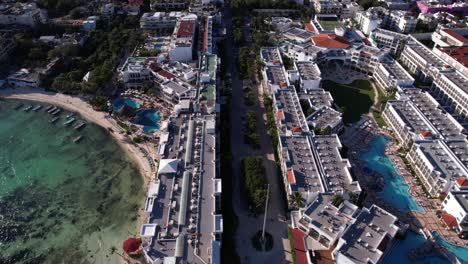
(78, 138)
(29, 107)
(79, 125)
(53, 120)
(69, 121)
(37, 107)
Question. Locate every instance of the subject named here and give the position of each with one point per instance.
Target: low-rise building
(368, 20)
(23, 14)
(401, 22)
(327, 7)
(367, 239)
(324, 222)
(168, 5)
(303, 52)
(390, 74)
(308, 74)
(159, 20)
(174, 91)
(393, 41)
(455, 206)
(326, 119)
(317, 98)
(366, 58)
(298, 35)
(24, 78)
(183, 39)
(436, 165)
(281, 23)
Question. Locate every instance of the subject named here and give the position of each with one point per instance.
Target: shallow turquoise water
(395, 191)
(62, 202)
(401, 248)
(460, 252)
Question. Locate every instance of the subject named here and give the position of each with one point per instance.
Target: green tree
(296, 201)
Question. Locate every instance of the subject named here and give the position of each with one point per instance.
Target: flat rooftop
(271, 55)
(276, 75)
(290, 112)
(425, 54)
(328, 218)
(365, 239)
(396, 70)
(318, 98)
(442, 159)
(303, 174)
(325, 117)
(296, 32)
(460, 149)
(335, 169)
(443, 122)
(308, 70)
(458, 79)
(186, 28)
(410, 116)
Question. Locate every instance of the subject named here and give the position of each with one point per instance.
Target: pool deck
(358, 139)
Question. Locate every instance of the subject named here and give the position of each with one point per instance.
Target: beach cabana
(168, 166)
(131, 245)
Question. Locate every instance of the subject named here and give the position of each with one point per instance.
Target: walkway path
(249, 224)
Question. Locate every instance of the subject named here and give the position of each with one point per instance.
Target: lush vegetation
(100, 55)
(306, 108)
(271, 123)
(249, 97)
(254, 182)
(354, 99)
(251, 135)
(246, 64)
(337, 200)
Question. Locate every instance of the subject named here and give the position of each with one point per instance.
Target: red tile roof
(425, 134)
(310, 27)
(166, 74)
(449, 220)
(331, 41)
(299, 246)
(186, 29)
(291, 177)
(459, 54)
(281, 114)
(462, 181)
(296, 130)
(455, 35)
(155, 67)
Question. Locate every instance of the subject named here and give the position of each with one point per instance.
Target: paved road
(249, 225)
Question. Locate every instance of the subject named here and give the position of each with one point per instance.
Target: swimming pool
(149, 119)
(460, 252)
(119, 103)
(401, 248)
(395, 191)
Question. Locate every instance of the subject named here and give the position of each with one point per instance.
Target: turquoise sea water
(395, 191)
(62, 202)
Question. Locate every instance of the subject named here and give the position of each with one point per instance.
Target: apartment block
(324, 222)
(367, 239)
(160, 20)
(387, 39)
(436, 165)
(183, 38)
(455, 206)
(22, 14)
(389, 74)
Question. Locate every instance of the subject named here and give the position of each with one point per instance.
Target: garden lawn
(354, 99)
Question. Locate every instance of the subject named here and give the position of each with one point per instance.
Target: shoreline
(80, 106)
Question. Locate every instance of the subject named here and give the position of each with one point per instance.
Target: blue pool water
(119, 103)
(401, 248)
(149, 118)
(460, 252)
(395, 191)
(158, 46)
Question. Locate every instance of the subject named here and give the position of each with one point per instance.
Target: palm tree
(113, 250)
(296, 201)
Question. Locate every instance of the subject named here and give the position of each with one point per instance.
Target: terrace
(441, 158)
(292, 119)
(301, 170)
(271, 56)
(335, 169)
(325, 117)
(318, 98)
(308, 70)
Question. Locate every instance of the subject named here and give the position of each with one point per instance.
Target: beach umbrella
(131, 245)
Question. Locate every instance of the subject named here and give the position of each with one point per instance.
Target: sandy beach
(77, 104)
